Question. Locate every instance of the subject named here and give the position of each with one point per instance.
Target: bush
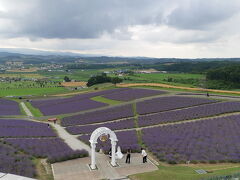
(66, 156)
(172, 162)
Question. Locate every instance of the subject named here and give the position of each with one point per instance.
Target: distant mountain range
(32, 56)
(26, 51)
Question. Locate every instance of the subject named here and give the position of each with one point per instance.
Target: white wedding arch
(93, 141)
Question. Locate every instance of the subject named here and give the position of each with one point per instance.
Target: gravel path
(72, 141)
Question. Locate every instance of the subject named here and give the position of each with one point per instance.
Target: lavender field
(99, 116)
(14, 162)
(24, 140)
(126, 139)
(21, 123)
(52, 148)
(212, 140)
(123, 124)
(73, 104)
(169, 103)
(189, 113)
(8, 107)
(23, 128)
(70, 106)
(131, 94)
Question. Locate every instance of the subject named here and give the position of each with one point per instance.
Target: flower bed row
(54, 149)
(189, 113)
(169, 103)
(14, 162)
(87, 129)
(23, 128)
(8, 107)
(99, 116)
(131, 94)
(213, 140)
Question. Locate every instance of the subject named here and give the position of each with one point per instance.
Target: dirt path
(71, 140)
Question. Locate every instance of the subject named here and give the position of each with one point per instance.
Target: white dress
(119, 154)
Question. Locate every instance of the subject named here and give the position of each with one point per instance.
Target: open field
(178, 79)
(22, 75)
(32, 91)
(162, 76)
(73, 84)
(177, 87)
(79, 75)
(24, 70)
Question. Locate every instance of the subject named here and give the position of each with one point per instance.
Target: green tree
(67, 79)
(116, 80)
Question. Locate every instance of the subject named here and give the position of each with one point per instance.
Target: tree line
(103, 78)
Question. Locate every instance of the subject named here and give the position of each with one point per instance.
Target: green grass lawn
(178, 172)
(33, 91)
(161, 76)
(180, 79)
(105, 100)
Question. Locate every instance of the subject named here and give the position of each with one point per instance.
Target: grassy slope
(105, 100)
(32, 91)
(159, 78)
(178, 172)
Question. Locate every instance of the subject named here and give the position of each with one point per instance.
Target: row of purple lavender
(52, 148)
(126, 140)
(30, 140)
(14, 162)
(131, 94)
(87, 129)
(73, 104)
(205, 110)
(24, 128)
(169, 103)
(8, 107)
(212, 140)
(99, 116)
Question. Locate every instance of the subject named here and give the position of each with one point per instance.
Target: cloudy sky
(153, 28)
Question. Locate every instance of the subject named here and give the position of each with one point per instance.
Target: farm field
(21, 75)
(178, 79)
(8, 107)
(32, 91)
(173, 127)
(26, 70)
(79, 75)
(23, 142)
(93, 100)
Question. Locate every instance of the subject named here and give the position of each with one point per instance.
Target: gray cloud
(82, 19)
(200, 14)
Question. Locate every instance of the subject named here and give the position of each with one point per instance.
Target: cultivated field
(187, 131)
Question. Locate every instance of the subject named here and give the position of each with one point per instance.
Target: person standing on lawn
(144, 155)
(128, 156)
